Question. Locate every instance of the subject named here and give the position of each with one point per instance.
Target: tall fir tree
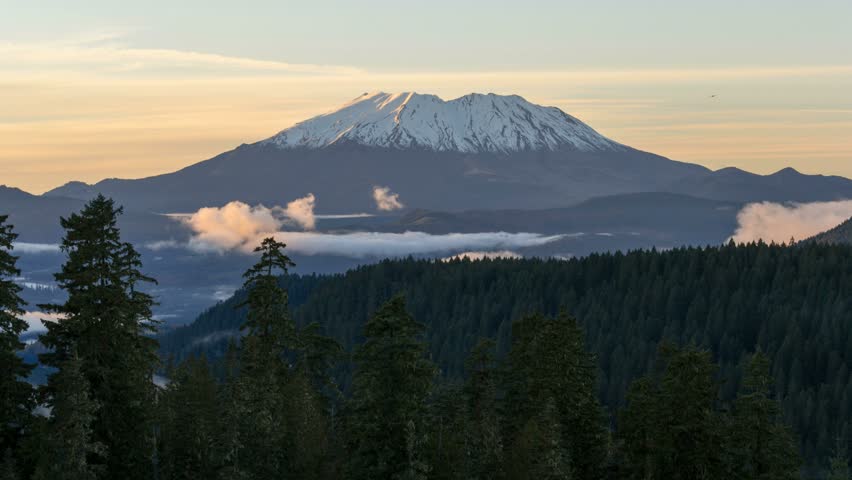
(188, 426)
(446, 441)
(107, 321)
(638, 431)
(392, 381)
(234, 424)
(16, 395)
(539, 450)
(548, 361)
(70, 440)
(483, 439)
(264, 442)
(760, 446)
(690, 437)
(282, 370)
(838, 464)
(8, 466)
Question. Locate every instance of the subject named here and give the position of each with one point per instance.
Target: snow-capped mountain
(477, 152)
(474, 123)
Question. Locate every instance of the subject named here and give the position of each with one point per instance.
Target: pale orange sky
(114, 103)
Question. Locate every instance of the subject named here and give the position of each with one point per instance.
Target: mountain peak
(473, 123)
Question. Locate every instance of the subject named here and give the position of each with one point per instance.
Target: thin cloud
(35, 248)
(474, 256)
(104, 52)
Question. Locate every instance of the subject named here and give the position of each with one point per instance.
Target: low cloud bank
(238, 226)
(377, 244)
(483, 255)
(386, 200)
(775, 222)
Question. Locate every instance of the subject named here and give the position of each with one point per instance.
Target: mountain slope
(342, 177)
(722, 298)
(837, 235)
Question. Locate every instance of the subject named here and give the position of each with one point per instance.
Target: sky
(101, 89)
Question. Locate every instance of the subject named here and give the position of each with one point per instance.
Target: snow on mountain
(474, 123)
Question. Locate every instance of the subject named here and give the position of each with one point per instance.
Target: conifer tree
(484, 452)
(264, 366)
(446, 436)
(107, 321)
(689, 440)
(234, 423)
(761, 447)
(282, 370)
(268, 318)
(8, 466)
(638, 431)
(189, 429)
(70, 436)
(392, 381)
(838, 466)
(539, 451)
(16, 395)
(548, 360)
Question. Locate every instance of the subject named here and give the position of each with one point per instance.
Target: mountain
(474, 123)
(475, 152)
(839, 234)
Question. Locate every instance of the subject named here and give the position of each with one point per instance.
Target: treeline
(792, 303)
(527, 410)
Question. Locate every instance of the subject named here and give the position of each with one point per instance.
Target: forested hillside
(792, 303)
(687, 364)
(839, 234)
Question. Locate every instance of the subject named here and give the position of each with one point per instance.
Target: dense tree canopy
(791, 303)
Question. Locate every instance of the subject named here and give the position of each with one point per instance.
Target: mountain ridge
(515, 155)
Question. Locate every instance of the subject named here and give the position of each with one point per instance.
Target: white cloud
(385, 199)
(231, 226)
(301, 211)
(162, 244)
(35, 248)
(775, 222)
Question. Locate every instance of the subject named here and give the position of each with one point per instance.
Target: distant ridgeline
(793, 303)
